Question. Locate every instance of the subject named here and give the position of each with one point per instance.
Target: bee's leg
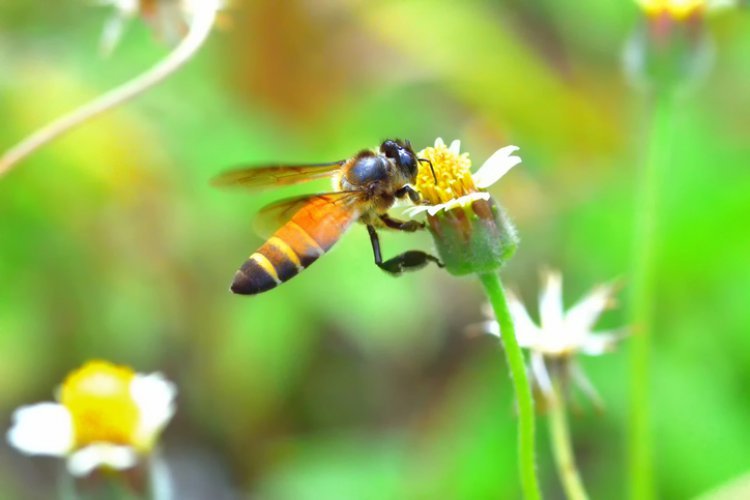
(411, 192)
(409, 225)
(408, 261)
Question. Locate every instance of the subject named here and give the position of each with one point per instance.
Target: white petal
(462, 201)
(416, 210)
(114, 27)
(496, 166)
(540, 373)
(434, 209)
(42, 429)
(527, 333)
(596, 344)
(584, 314)
(716, 5)
(85, 460)
(550, 304)
(439, 142)
(455, 147)
(491, 327)
(154, 395)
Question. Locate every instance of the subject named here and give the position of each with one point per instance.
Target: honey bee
(365, 187)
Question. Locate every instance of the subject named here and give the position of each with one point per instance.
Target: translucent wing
(276, 175)
(312, 211)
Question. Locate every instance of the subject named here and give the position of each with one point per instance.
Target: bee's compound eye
(390, 149)
(408, 160)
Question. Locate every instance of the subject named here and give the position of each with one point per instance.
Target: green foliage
(346, 382)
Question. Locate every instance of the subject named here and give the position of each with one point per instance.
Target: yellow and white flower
(107, 416)
(472, 233)
(456, 186)
(681, 9)
(561, 335)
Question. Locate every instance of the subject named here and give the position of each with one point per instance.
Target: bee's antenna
(431, 169)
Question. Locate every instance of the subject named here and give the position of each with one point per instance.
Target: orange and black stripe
(311, 232)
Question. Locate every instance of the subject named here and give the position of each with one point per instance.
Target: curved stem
(203, 20)
(642, 298)
(494, 289)
(562, 448)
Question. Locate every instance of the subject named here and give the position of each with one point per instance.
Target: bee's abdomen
(293, 247)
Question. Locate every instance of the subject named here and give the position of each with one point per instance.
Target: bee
(365, 187)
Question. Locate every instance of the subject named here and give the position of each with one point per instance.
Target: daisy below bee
(562, 335)
(107, 416)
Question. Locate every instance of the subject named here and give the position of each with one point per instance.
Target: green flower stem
(642, 298)
(562, 449)
(494, 289)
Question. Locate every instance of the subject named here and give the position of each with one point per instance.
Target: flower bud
(670, 50)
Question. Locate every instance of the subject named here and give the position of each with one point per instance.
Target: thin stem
(527, 466)
(562, 448)
(642, 298)
(200, 27)
(160, 478)
(66, 487)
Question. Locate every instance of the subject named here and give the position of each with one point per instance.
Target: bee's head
(402, 154)
(404, 157)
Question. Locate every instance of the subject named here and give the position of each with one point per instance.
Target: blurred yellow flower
(681, 9)
(107, 416)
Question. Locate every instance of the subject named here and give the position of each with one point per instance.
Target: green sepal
(667, 55)
(477, 238)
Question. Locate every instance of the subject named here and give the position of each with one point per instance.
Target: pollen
(451, 171)
(98, 398)
(679, 9)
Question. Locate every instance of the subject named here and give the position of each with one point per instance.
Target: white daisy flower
(471, 231)
(456, 186)
(107, 416)
(561, 336)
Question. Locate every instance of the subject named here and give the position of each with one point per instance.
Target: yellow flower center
(98, 398)
(679, 9)
(452, 172)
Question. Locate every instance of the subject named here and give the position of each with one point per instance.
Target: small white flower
(562, 335)
(169, 19)
(468, 191)
(108, 416)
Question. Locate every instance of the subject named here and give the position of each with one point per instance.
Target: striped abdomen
(311, 232)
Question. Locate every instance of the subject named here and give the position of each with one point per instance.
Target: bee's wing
(257, 178)
(314, 212)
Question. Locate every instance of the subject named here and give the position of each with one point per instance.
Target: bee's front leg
(408, 226)
(407, 190)
(408, 261)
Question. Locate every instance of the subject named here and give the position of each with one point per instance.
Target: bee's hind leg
(410, 260)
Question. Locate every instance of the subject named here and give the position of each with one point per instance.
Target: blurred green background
(347, 383)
